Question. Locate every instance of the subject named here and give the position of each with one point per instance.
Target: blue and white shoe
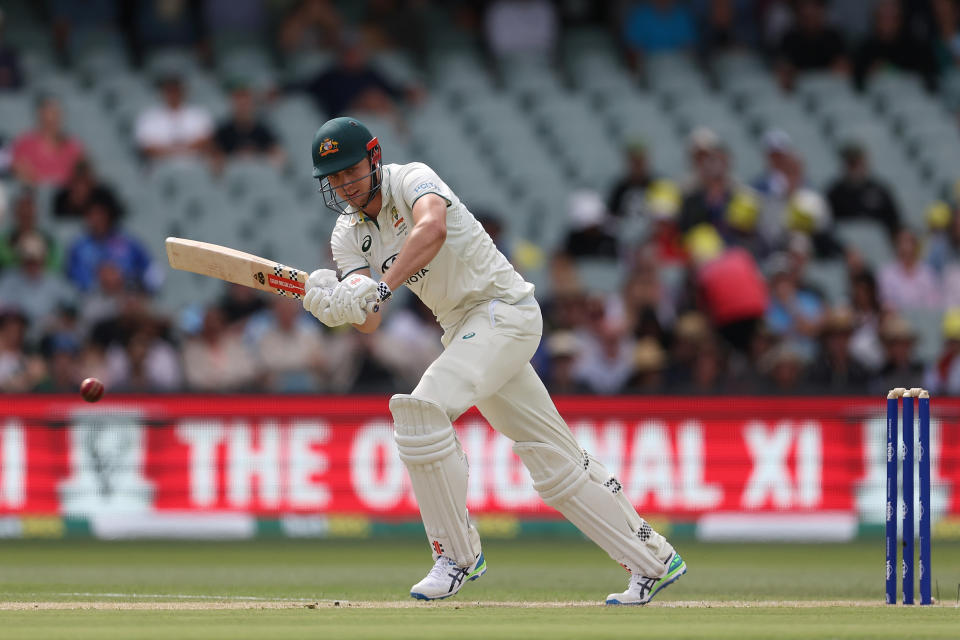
(642, 589)
(446, 578)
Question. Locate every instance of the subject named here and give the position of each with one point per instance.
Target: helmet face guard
(337, 204)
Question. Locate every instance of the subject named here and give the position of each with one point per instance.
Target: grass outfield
(280, 589)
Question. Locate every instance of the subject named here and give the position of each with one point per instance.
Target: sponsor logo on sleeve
(424, 186)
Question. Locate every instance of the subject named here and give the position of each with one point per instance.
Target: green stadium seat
(16, 114)
(869, 238)
(927, 323)
(830, 277)
(601, 275)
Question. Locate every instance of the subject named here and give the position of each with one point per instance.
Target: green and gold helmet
(339, 144)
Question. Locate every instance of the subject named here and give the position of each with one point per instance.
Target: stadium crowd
(716, 298)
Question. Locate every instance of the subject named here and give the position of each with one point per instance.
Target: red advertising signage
(274, 455)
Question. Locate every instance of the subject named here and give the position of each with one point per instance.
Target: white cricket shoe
(446, 578)
(642, 589)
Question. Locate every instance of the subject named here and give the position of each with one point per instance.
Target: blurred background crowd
(712, 196)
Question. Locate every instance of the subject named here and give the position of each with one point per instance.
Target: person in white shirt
(403, 224)
(173, 128)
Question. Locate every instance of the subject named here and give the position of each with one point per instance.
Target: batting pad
(438, 472)
(589, 497)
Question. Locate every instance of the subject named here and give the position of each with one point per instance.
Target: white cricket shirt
(468, 270)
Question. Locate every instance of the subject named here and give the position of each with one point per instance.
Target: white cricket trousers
(486, 363)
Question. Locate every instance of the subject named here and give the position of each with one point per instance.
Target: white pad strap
(438, 472)
(589, 497)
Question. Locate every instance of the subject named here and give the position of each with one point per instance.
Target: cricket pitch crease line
(212, 602)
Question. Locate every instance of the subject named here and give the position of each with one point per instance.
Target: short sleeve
(418, 180)
(151, 130)
(346, 253)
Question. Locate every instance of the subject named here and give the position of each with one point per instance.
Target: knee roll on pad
(589, 497)
(438, 471)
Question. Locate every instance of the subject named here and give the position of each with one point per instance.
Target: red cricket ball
(91, 389)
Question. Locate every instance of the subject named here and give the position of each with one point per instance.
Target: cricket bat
(236, 266)
(239, 267)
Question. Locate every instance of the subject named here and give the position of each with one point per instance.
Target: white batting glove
(352, 297)
(317, 302)
(323, 279)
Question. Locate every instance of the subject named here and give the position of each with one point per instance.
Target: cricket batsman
(401, 224)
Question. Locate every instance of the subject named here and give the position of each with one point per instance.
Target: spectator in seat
(408, 341)
(216, 360)
(690, 332)
(628, 197)
(784, 368)
(63, 370)
(943, 242)
(647, 303)
(151, 25)
(947, 45)
(729, 286)
(856, 194)
(106, 299)
(663, 203)
(47, 154)
(836, 371)
(714, 197)
(606, 358)
(649, 363)
(83, 187)
(867, 315)
(708, 371)
(891, 44)
(15, 359)
(811, 44)
(521, 27)
(900, 363)
(728, 25)
(20, 369)
(658, 26)
(173, 128)
(290, 350)
(588, 237)
(104, 241)
(944, 376)
(775, 181)
(793, 314)
(563, 349)
(310, 25)
(36, 290)
(24, 224)
(909, 282)
(244, 134)
(11, 72)
(352, 84)
(239, 303)
(145, 363)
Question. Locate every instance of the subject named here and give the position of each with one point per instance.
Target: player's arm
(373, 319)
(424, 241)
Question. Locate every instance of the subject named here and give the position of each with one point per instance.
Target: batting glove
(323, 279)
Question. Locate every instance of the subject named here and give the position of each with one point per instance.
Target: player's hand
(323, 279)
(317, 301)
(352, 297)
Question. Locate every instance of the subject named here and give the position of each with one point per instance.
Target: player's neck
(372, 210)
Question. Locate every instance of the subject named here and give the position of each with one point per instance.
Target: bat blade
(235, 266)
